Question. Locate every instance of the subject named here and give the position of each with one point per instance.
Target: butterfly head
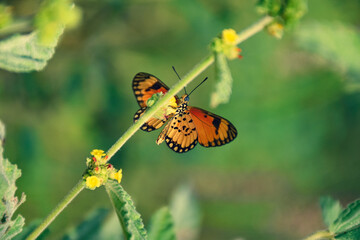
(185, 98)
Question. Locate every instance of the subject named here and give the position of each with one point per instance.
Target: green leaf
(9, 202)
(162, 226)
(186, 213)
(29, 229)
(110, 229)
(353, 234)
(130, 219)
(23, 53)
(90, 227)
(348, 220)
(224, 81)
(338, 44)
(330, 209)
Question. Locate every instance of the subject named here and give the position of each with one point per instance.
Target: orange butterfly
(187, 125)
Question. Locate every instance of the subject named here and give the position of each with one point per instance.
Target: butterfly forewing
(212, 129)
(180, 133)
(145, 85)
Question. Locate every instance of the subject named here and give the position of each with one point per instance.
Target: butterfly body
(186, 125)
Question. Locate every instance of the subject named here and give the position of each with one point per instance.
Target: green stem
(59, 208)
(253, 29)
(199, 68)
(320, 235)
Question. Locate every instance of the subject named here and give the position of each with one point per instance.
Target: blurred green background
(295, 103)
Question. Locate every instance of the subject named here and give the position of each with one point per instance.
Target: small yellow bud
(116, 175)
(276, 29)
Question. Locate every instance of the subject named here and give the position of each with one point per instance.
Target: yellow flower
(93, 182)
(116, 175)
(229, 36)
(98, 153)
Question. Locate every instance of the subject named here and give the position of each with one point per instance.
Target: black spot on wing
(177, 147)
(145, 127)
(156, 86)
(216, 122)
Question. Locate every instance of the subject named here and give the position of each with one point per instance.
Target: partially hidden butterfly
(186, 125)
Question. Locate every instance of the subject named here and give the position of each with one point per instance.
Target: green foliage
(29, 228)
(162, 225)
(344, 224)
(130, 219)
(185, 211)
(5, 15)
(224, 81)
(287, 12)
(337, 43)
(110, 229)
(53, 17)
(330, 209)
(9, 202)
(30, 52)
(90, 227)
(348, 220)
(23, 53)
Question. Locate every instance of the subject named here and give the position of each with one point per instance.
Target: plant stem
(253, 29)
(199, 68)
(320, 235)
(59, 208)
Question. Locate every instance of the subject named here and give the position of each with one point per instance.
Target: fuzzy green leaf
(186, 213)
(224, 81)
(330, 210)
(353, 234)
(130, 219)
(9, 202)
(90, 227)
(29, 229)
(337, 43)
(162, 226)
(23, 53)
(348, 220)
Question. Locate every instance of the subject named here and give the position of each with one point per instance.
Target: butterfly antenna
(198, 85)
(178, 77)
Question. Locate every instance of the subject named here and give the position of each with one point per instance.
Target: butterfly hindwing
(212, 129)
(180, 133)
(151, 124)
(145, 85)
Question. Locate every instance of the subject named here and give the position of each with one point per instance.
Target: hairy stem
(59, 208)
(199, 68)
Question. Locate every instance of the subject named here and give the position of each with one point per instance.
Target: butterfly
(186, 125)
